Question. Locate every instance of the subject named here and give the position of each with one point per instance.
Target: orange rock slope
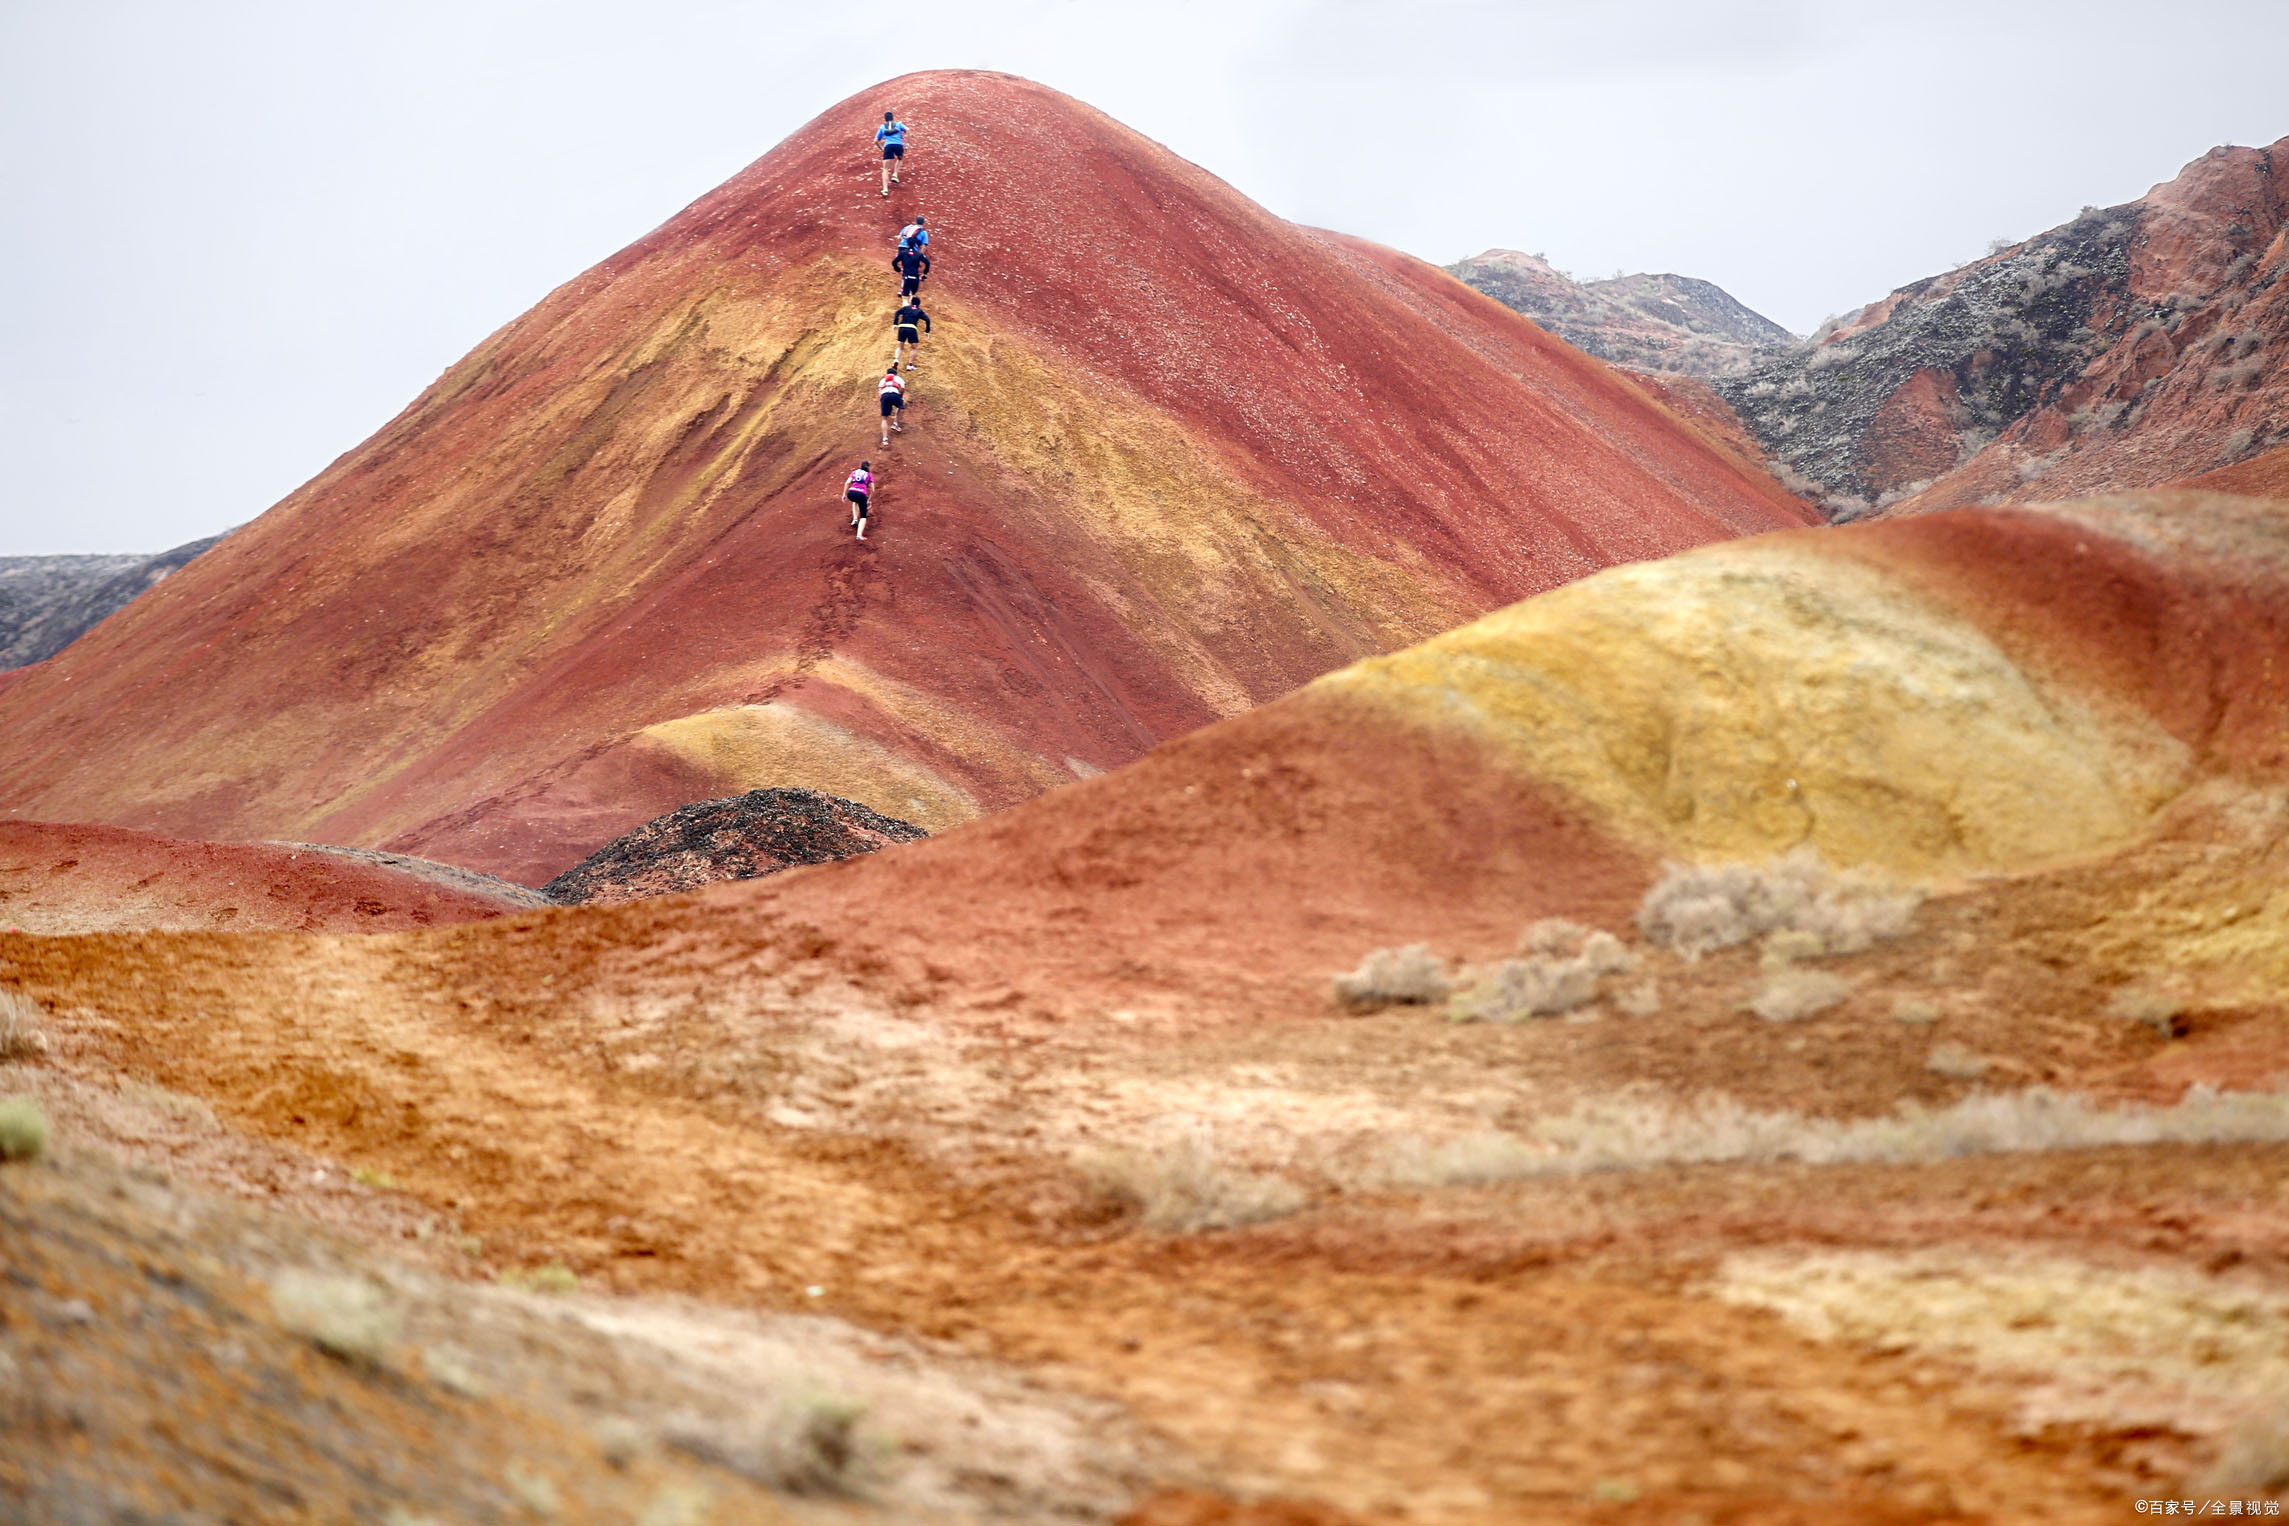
(1168, 457)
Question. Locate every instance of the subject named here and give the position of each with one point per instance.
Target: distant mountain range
(1666, 323)
(48, 602)
(2133, 346)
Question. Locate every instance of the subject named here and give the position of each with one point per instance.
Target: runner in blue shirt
(892, 136)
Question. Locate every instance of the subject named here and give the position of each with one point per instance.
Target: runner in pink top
(857, 491)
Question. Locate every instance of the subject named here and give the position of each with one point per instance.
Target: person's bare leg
(886, 177)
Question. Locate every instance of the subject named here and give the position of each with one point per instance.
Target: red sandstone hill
(1168, 458)
(2137, 345)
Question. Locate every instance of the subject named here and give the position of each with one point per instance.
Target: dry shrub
(1561, 965)
(1789, 995)
(21, 1041)
(1185, 1186)
(345, 1317)
(550, 1278)
(1642, 999)
(23, 1129)
(1538, 986)
(1552, 935)
(1915, 1010)
(1956, 1062)
(813, 1444)
(1488, 1156)
(1633, 1133)
(1562, 938)
(2158, 1010)
(1696, 909)
(1785, 947)
(1392, 976)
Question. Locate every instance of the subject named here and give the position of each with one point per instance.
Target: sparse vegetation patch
(1635, 1133)
(1696, 909)
(1411, 975)
(551, 1277)
(23, 1129)
(21, 1040)
(1789, 995)
(1185, 1187)
(345, 1317)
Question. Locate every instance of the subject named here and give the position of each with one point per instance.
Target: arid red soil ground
(1168, 457)
(77, 878)
(1032, 1172)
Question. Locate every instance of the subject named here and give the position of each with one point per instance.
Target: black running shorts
(892, 401)
(909, 285)
(857, 501)
(893, 150)
(909, 334)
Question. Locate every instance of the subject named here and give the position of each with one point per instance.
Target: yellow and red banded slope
(1168, 457)
(1976, 692)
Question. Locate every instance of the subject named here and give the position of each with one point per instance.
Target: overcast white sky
(240, 235)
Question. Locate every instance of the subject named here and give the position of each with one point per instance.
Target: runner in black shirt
(912, 323)
(912, 265)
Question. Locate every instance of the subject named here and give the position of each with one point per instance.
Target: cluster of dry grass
(1796, 903)
(23, 1129)
(1558, 969)
(1629, 1133)
(1785, 996)
(350, 1318)
(1696, 909)
(21, 1040)
(1185, 1186)
(1408, 976)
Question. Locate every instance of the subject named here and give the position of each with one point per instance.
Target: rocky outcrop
(743, 838)
(1664, 323)
(48, 602)
(2134, 346)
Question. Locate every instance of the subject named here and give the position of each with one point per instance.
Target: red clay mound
(1167, 458)
(64, 877)
(765, 831)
